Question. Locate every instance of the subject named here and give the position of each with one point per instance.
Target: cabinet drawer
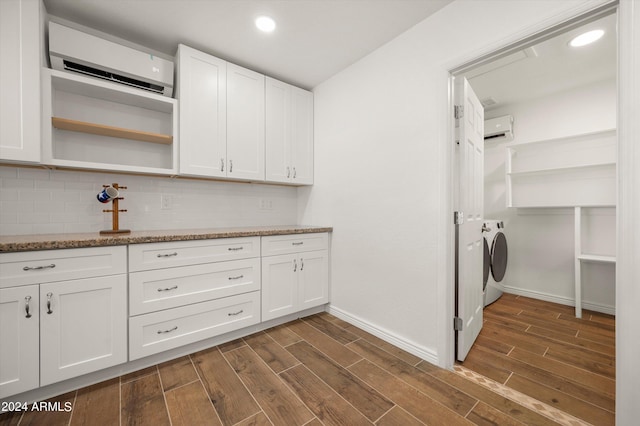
(143, 257)
(285, 244)
(36, 267)
(164, 330)
(169, 288)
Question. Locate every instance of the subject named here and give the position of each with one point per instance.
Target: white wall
(39, 201)
(381, 132)
(541, 241)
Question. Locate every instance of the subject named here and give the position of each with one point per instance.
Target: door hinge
(457, 323)
(458, 111)
(458, 218)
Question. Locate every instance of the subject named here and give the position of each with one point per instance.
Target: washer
(495, 259)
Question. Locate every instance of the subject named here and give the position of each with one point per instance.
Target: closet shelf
(111, 131)
(597, 258)
(560, 169)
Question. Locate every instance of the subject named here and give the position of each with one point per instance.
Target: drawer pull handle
(288, 172)
(168, 288)
(236, 278)
(230, 166)
(49, 296)
(222, 164)
(233, 314)
(294, 173)
(26, 307)
(295, 265)
(168, 254)
(168, 331)
(235, 248)
(301, 264)
(298, 243)
(37, 268)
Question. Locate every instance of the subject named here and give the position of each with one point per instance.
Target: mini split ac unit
(76, 51)
(499, 129)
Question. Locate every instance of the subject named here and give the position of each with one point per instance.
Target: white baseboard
(605, 309)
(425, 353)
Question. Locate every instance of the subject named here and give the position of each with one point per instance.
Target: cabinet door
(203, 122)
(302, 136)
(20, 80)
(245, 123)
(19, 328)
(279, 286)
(313, 279)
(277, 137)
(83, 326)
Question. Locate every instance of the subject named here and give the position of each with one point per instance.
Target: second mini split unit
(495, 259)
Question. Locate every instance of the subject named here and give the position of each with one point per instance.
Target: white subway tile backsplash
(17, 183)
(36, 174)
(9, 194)
(55, 201)
(8, 218)
(51, 228)
(33, 195)
(33, 218)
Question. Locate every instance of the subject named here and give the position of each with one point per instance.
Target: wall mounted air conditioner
(499, 129)
(77, 51)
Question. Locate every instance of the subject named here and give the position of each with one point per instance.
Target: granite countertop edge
(18, 243)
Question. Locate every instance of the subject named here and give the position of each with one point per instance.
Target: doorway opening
(550, 153)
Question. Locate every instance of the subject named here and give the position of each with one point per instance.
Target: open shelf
(576, 170)
(90, 123)
(597, 258)
(561, 169)
(111, 131)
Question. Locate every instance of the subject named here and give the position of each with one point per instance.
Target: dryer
(495, 259)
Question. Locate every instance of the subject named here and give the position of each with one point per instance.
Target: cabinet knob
(49, 296)
(26, 307)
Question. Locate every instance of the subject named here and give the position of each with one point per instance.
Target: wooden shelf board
(111, 131)
(597, 258)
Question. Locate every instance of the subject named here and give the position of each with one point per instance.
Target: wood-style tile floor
(321, 370)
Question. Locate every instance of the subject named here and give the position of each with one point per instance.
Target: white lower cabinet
(63, 313)
(296, 280)
(19, 330)
(83, 327)
(65, 317)
(171, 328)
(191, 291)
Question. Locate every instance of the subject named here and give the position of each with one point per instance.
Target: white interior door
(470, 153)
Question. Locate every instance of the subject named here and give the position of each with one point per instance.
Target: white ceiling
(314, 39)
(551, 66)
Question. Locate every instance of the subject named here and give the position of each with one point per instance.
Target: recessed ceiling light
(586, 38)
(266, 24)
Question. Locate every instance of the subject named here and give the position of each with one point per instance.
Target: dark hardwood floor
(533, 364)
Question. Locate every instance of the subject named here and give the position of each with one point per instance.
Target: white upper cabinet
(289, 133)
(221, 117)
(20, 44)
(202, 92)
(245, 123)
